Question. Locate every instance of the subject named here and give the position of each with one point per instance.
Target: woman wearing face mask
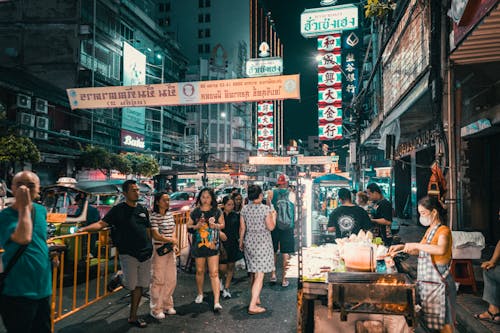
(435, 284)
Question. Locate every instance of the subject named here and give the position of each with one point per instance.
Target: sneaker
(171, 311)
(226, 293)
(158, 316)
(198, 299)
(217, 307)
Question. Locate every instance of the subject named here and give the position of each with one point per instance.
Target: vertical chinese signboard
(327, 24)
(265, 126)
(351, 41)
(329, 87)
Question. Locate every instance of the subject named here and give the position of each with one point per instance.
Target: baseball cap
(282, 179)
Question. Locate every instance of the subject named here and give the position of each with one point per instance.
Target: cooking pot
(359, 257)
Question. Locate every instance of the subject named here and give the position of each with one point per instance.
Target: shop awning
(482, 45)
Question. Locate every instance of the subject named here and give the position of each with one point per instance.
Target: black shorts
(284, 239)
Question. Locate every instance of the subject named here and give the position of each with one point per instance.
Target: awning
(482, 45)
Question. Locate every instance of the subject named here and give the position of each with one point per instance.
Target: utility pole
(204, 157)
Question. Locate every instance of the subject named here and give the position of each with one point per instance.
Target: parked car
(182, 201)
(221, 193)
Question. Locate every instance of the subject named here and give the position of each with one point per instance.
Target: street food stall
(322, 200)
(348, 284)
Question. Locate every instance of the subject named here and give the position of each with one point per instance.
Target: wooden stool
(463, 272)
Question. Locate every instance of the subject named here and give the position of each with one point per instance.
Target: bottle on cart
(390, 265)
(381, 268)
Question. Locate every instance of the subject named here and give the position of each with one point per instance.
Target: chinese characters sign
(327, 20)
(351, 43)
(265, 126)
(329, 87)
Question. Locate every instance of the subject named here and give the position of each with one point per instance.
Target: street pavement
(109, 315)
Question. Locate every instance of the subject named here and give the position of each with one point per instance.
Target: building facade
(216, 45)
(50, 46)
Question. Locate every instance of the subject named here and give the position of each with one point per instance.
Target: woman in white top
(163, 268)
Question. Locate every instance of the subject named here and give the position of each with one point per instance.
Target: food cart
(322, 200)
(339, 288)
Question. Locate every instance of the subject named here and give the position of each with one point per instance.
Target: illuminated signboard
(264, 67)
(134, 73)
(130, 139)
(327, 20)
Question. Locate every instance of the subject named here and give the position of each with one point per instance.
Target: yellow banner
(187, 93)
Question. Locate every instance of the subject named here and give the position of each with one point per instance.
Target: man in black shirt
(383, 213)
(348, 219)
(131, 234)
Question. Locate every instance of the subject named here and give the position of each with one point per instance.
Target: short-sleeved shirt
(446, 257)
(349, 220)
(205, 240)
(383, 209)
(129, 230)
(31, 275)
(165, 224)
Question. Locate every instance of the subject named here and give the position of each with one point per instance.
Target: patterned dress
(258, 243)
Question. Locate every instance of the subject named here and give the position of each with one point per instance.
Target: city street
(109, 315)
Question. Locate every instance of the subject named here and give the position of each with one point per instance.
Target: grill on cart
(389, 294)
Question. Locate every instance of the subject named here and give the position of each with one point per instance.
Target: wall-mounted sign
(475, 127)
(265, 126)
(187, 93)
(329, 87)
(130, 139)
(292, 160)
(327, 20)
(264, 67)
(330, 131)
(134, 73)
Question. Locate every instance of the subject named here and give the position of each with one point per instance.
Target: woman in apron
(435, 284)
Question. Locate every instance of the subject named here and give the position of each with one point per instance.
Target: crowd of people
(255, 231)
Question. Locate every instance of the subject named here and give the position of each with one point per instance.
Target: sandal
(273, 279)
(285, 284)
(138, 323)
(491, 318)
(259, 311)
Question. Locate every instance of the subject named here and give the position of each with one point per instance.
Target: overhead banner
(187, 93)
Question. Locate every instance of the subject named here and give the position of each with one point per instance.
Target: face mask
(425, 221)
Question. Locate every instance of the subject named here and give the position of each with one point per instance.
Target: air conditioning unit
(42, 123)
(26, 119)
(41, 106)
(65, 132)
(42, 135)
(26, 132)
(23, 101)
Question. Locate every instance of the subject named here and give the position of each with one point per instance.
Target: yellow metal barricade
(81, 278)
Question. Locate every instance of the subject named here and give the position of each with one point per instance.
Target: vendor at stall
(435, 284)
(348, 218)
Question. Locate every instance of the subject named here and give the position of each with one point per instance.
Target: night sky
(300, 116)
